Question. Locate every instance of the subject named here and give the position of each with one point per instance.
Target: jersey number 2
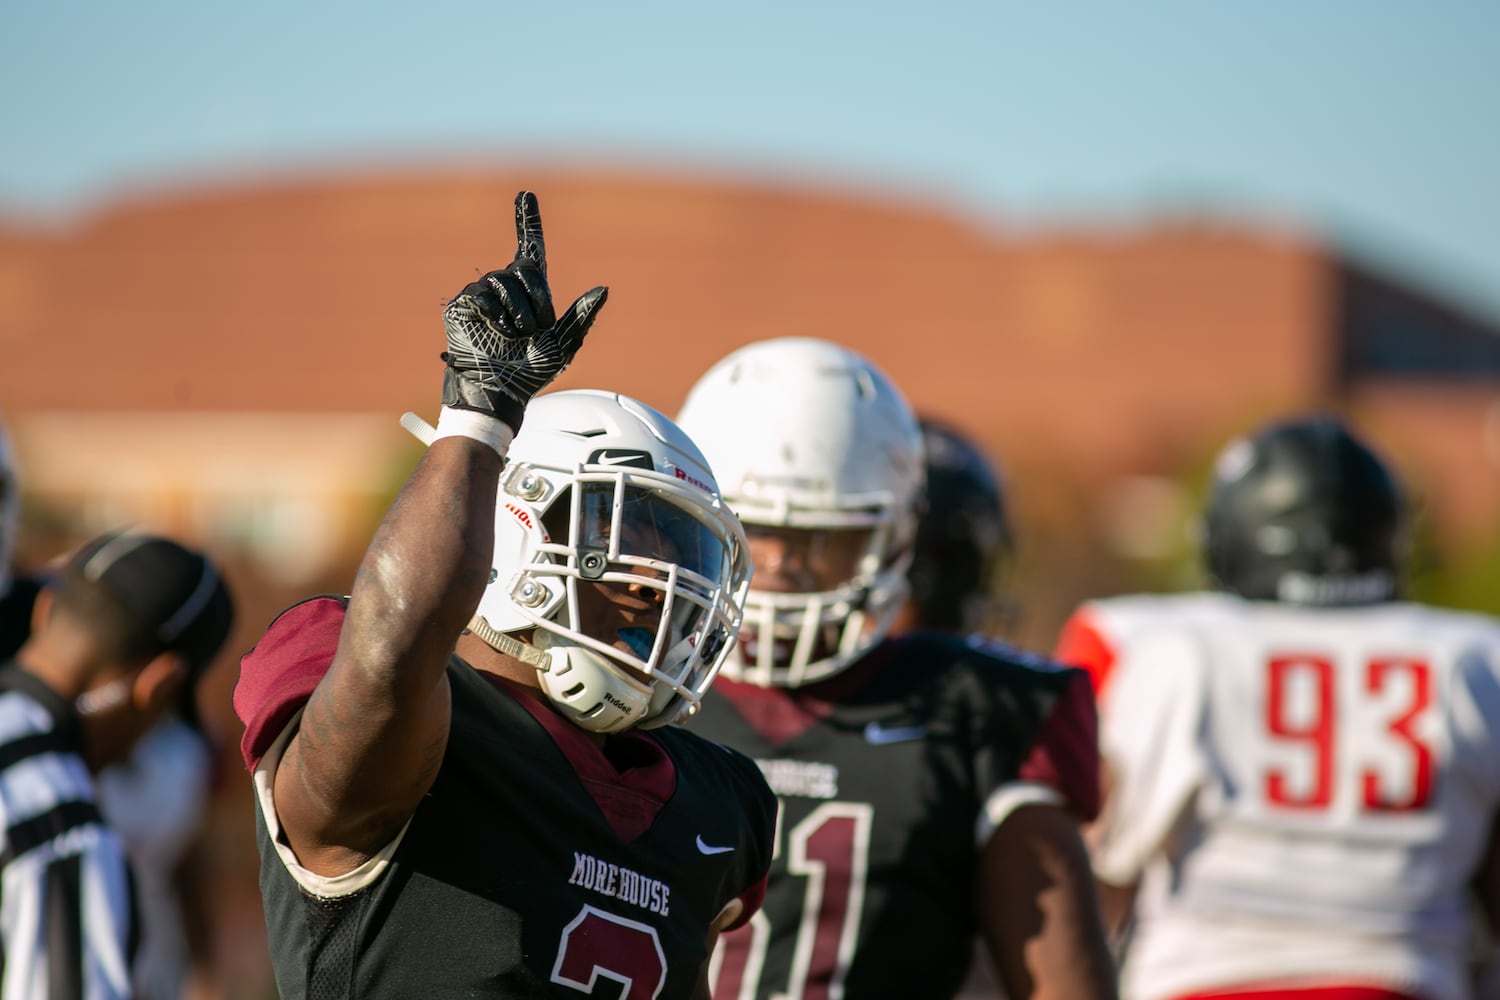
(598, 944)
(1315, 723)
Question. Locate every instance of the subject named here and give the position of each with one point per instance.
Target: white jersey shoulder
(1115, 619)
(1326, 778)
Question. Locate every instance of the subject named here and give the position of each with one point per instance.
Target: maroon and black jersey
(888, 775)
(539, 865)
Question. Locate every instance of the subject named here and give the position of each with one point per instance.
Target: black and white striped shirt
(67, 911)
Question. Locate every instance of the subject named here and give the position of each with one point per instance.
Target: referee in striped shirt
(121, 635)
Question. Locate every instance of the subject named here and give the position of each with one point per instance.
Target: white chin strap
(508, 644)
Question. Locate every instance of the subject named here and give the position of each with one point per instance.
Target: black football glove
(505, 343)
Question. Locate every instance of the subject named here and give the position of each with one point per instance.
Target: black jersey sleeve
(1027, 718)
(739, 820)
(758, 804)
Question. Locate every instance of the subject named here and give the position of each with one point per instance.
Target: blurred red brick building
(229, 364)
(232, 361)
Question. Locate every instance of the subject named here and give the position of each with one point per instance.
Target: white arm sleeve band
(321, 886)
(476, 426)
(1007, 799)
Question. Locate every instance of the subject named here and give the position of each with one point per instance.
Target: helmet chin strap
(510, 645)
(577, 680)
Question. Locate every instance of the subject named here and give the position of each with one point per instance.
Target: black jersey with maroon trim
(533, 869)
(883, 773)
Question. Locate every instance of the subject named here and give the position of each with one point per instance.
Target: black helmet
(963, 537)
(1304, 512)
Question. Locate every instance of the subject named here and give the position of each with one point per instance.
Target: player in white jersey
(1303, 770)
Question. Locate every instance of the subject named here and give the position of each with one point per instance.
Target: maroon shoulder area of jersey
(279, 674)
(1066, 752)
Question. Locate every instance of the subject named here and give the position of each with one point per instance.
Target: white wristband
(481, 427)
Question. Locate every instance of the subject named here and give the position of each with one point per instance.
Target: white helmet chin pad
(589, 689)
(616, 559)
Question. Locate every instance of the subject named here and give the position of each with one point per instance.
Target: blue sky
(1377, 122)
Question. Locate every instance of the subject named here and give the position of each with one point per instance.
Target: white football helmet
(600, 488)
(806, 434)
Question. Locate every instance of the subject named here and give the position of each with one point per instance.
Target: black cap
(176, 593)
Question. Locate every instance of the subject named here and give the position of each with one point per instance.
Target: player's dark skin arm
(372, 736)
(1039, 911)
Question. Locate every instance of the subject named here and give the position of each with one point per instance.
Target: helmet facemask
(621, 583)
(794, 637)
(856, 582)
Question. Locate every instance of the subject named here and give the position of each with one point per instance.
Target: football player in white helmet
(1303, 783)
(605, 502)
(831, 480)
(931, 787)
(465, 777)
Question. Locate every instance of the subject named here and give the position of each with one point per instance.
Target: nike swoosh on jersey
(880, 735)
(710, 848)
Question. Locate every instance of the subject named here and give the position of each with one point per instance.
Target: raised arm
(372, 735)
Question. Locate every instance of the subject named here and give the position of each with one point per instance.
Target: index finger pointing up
(529, 243)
